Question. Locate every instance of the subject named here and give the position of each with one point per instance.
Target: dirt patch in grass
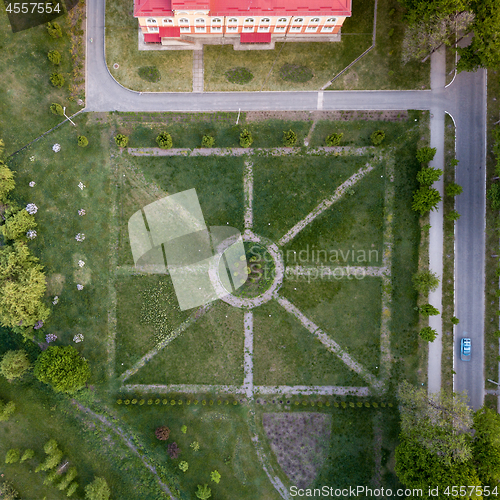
(299, 442)
(55, 283)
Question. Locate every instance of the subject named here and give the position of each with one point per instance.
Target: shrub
(14, 364)
(7, 491)
(57, 109)
(17, 225)
(203, 492)
(57, 79)
(426, 154)
(215, 476)
(173, 450)
(428, 334)
(428, 175)
(121, 140)
(453, 215)
(334, 139)
(295, 73)
(208, 141)
(6, 410)
(83, 142)
(50, 477)
(71, 489)
(70, 475)
(455, 320)
(246, 138)
(12, 456)
(377, 137)
(27, 455)
(97, 490)
(289, 138)
(453, 189)
(184, 429)
(425, 281)
(54, 30)
(164, 140)
(428, 310)
(183, 466)
(496, 333)
(54, 56)
(7, 182)
(162, 433)
(239, 75)
(195, 445)
(425, 199)
(149, 73)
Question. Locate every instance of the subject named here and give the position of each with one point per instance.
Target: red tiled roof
(170, 31)
(245, 7)
(280, 7)
(152, 37)
(255, 37)
(144, 8)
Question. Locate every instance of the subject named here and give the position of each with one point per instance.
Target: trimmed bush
(57, 80)
(246, 138)
(208, 141)
(425, 281)
(149, 73)
(428, 310)
(428, 175)
(239, 75)
(289, 138)
(377, 137)
(121, 140)
(12, 456)
(57, 109)
(453, 215)
(54, 56)
(54, 30)
(83, 142)
(183, 466)
(426, 154)
(453, 189)
(455, 320)
(295, 73)
(334, 139)
(164, 140)
(428, 334)
(27, 455)
(425, 199)
(162, 433)
(14, 364)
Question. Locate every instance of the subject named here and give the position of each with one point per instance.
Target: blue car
(465, 349)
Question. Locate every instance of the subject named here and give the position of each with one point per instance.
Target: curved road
(464, 99)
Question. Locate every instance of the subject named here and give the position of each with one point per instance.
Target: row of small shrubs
(335, 139)
(173, 402)
(54, 56)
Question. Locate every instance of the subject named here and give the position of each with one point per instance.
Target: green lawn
(26, 89)
(175, 67)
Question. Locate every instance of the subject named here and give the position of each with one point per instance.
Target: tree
(425, 199)
(12, 456)
(164, 140)
(162, 433)
(54, 30)
(428, 334)
(208, 141)
(22, 287)
(377, 137)
(173, 450)
(426, 154)
(7, 182)
(51, 461)
(57, 80)
(7, 491)
(246, 138)
(97, 490)
(6, 410)
(428, 310)
(18, 224)
(83, 142)
(14, 364)
(57, 109)
(453, 215)
(441, 422)
(289, 138)
(334, 139)
(121, 140)
(70, 475)
(215, 476)
(27, 455)
(63, 368)
(71, 489)
(54, 57)
(425, 281)
(203, 492)
(428, 175)
(453, 189)
(486, 446)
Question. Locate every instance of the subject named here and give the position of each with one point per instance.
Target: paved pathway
(198, 71)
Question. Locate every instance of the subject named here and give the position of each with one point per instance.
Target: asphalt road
(464, 99)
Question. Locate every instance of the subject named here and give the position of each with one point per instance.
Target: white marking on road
(320, 100)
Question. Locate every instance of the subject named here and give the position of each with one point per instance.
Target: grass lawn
(285, 353)
(380, 69)
(175, 67)
(208, 352)
(24, 77)
(225, 446)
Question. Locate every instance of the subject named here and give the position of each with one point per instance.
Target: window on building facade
(297, 24)
(168, 22)
(313, 24)
(153, 29)
(184, 24)
(216, 25)
(151, 21)
(280, 25)
(232, 24)
(248, 24)
(264, 24)
(329, 25)
(199, 25)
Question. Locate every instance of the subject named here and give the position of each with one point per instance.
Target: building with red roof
(241, 22)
